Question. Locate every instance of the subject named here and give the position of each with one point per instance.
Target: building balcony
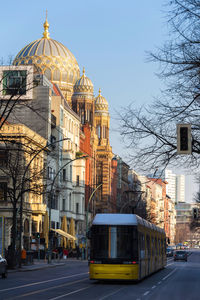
(38, 207)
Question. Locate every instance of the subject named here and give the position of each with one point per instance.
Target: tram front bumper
(109, 271)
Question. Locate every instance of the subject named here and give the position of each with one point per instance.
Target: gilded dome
(51, 58)
(83, 85)
(101, 104)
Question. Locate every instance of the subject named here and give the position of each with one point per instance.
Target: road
(179, 280)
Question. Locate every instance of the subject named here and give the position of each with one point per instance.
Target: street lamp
(51, 197)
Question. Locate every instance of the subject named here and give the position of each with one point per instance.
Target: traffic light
(37, 235)
(195, 213)
(184, 140)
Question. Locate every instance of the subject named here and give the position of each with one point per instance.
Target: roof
(123, 219)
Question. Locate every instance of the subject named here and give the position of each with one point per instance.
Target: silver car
(3, 267)
(180, 255)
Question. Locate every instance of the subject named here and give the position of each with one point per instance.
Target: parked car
(169, 252)
(3, 267)
(180, 255)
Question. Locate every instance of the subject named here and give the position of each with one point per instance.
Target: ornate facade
(58, 64)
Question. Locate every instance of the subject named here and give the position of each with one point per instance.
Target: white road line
(71, 293)
(111, 294)
(159, 282)
(145, 294)
(169, 274)
(154, 286)
(170, 264)
(38, 291)
(41, 282)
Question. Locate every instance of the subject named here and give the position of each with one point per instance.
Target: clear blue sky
(108, 37)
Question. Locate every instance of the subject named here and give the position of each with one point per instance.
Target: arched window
(99, 131)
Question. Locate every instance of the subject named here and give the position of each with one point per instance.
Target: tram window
(152, 246)
(99, 242)
(148, 244)
(127, 242)
(156, 245)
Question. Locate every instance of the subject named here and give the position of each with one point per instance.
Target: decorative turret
(101, 104)
(83, 85)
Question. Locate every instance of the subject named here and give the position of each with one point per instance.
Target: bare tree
(22, 170)
(150, 132)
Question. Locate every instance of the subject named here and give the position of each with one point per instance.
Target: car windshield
(180, 252)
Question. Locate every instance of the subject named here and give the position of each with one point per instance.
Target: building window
(53, 224)
(63, 205)
(64, 174)
(99, 131)
(3, 191)
(70, 202)
(3, 158)
(54, 202)
(14, 82)
(88, 115)
(71, 173)
(49, 173)
(104, 132)
(77, 180)
(77, 208)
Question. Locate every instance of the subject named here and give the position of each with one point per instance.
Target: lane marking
(47, 289)
(71, 293)
(145, 294)
(170, 264)
(153, 287)
(41, 282)
(111, 294)
(159, 282)
(169, 274)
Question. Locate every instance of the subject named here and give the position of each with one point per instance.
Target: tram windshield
(114, 242)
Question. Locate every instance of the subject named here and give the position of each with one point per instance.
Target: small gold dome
(83, 85)
(101, 104)
(51, 58)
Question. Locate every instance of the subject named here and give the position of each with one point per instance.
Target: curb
(36, 268)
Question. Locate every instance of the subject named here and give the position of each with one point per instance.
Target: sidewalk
(43, 264)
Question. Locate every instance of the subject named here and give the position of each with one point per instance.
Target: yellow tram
(125, 247)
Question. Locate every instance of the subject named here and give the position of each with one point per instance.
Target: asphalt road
(178, 281)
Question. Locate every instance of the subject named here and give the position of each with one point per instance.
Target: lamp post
(87, 215)
(51, 197)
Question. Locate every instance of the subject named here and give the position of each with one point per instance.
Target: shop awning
(65, 234)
